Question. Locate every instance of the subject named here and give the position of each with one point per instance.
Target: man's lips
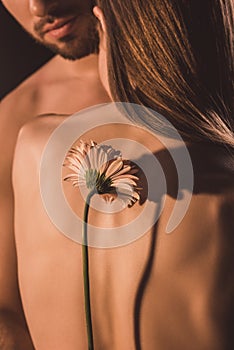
(59, 28)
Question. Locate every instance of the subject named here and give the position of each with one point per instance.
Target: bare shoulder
(16, 107)
(35, 134)
(51, 71)
(20, 105)
(30, 144)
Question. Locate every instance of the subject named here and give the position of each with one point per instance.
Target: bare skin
(61, 86)
(166, 292)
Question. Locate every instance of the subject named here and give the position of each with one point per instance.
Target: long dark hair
(176, 57)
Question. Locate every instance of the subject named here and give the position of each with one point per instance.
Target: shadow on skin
(142, 286)
(213, 168)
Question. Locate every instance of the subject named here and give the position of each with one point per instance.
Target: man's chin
(72, 49)
(66, 53)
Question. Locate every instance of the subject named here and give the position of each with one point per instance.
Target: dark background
(20, 55)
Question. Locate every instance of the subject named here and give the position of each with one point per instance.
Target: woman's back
(163, 291)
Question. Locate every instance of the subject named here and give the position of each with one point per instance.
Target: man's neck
(87, 65)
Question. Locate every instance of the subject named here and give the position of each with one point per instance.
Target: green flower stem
(85, 257)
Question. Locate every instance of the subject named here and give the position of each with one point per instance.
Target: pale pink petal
(126, 180)
(123, 171)
(102, 160)
(124, 187)
(73, 161)
(114, 167)
(134, 171)
(92, 158)
(133, 196)
(124, 176)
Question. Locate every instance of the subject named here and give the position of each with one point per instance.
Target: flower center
(95, 180)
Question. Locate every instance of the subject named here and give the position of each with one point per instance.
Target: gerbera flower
(102, 170)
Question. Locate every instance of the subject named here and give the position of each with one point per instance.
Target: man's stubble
(74, 46)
